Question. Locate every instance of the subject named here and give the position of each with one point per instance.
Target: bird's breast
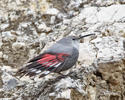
(76, 44)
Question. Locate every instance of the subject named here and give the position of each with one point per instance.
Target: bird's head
(74, 40)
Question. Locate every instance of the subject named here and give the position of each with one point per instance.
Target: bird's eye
(73, 39)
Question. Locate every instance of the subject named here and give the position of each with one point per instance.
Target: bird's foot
(62, 75)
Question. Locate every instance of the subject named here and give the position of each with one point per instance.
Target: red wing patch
(52, 59)
(45, 64)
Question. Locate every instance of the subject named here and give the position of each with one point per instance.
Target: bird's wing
(44, 64)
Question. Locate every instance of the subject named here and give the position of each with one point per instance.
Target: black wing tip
(28, 70)
(23, 72)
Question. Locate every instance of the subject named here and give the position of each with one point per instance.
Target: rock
(107, 46)
(87, 55)
(1, 55)
(4, 26)
(0, 42)
(1, 82)
(9, 82)
(27, 28)
(12, 83)
(52, 11)
(111, 73)
(17, 46)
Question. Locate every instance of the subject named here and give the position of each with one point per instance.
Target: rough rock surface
(27, 27)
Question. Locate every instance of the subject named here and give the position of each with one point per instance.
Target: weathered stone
(27, 28)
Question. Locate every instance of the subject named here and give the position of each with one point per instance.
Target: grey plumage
(65, 45)
(59, 57)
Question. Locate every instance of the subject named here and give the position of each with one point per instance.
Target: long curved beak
(84, 36)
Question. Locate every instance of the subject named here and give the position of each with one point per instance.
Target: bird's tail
(31, 72)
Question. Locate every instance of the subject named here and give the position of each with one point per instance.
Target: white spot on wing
(53, 64)
(49, 63)
(46, 72)
(32, 70)
(57, 65)
(39, 71)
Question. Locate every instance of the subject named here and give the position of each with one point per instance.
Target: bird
(60, 57)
